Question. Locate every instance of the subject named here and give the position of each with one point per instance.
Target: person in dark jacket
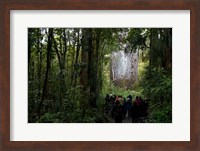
(128, 106)
(135, 109)
(117, 113)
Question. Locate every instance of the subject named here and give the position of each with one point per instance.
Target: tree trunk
(90, 55)
(48, 66)
(39, 62)
(76, 60)
(95, 70)
(84, 61)
(169, 50)
(61, 54)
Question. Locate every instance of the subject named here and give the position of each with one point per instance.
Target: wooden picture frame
(7, 5)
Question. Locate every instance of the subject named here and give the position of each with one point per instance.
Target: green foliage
(49, 118)
(141, 68)
(137, 38)
(90, 115)
(157, 87)
(76, 109)
(79, 72)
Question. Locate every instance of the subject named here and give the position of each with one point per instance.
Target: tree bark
(61, 54)
(76, 59)
(48, 66)
(39, 62)
(94, 86)
(84, 61)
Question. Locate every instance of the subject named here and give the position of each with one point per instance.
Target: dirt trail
(127, 120)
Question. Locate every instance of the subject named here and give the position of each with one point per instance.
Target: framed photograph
(93, 75)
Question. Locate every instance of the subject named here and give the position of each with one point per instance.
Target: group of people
(121, 108)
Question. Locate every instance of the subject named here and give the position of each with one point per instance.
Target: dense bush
(77, 116)
(75, 109)
(157, 87)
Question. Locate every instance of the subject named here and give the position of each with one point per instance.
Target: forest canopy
(80, 75)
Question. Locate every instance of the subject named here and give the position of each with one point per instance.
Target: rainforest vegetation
(80, 75)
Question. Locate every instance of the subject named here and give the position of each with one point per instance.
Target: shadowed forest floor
(127, 120)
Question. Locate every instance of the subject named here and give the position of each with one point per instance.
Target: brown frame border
(192, 5)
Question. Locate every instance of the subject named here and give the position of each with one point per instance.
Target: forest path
(127, 120)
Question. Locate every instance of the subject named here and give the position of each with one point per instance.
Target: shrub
(157, 87)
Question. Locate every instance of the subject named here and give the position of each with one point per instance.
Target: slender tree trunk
(39, 62)
(61, 59)
(76, 60)
(63, 73)
(169, 50)
(29, 53)
(73, 58)
(48, 66)
(151, 48)
(90, 55)
(30, 84)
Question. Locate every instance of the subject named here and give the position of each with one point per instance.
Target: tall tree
(48, 66)
(84, 61)
(61, 54)
(39, 51)
(76, 59)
